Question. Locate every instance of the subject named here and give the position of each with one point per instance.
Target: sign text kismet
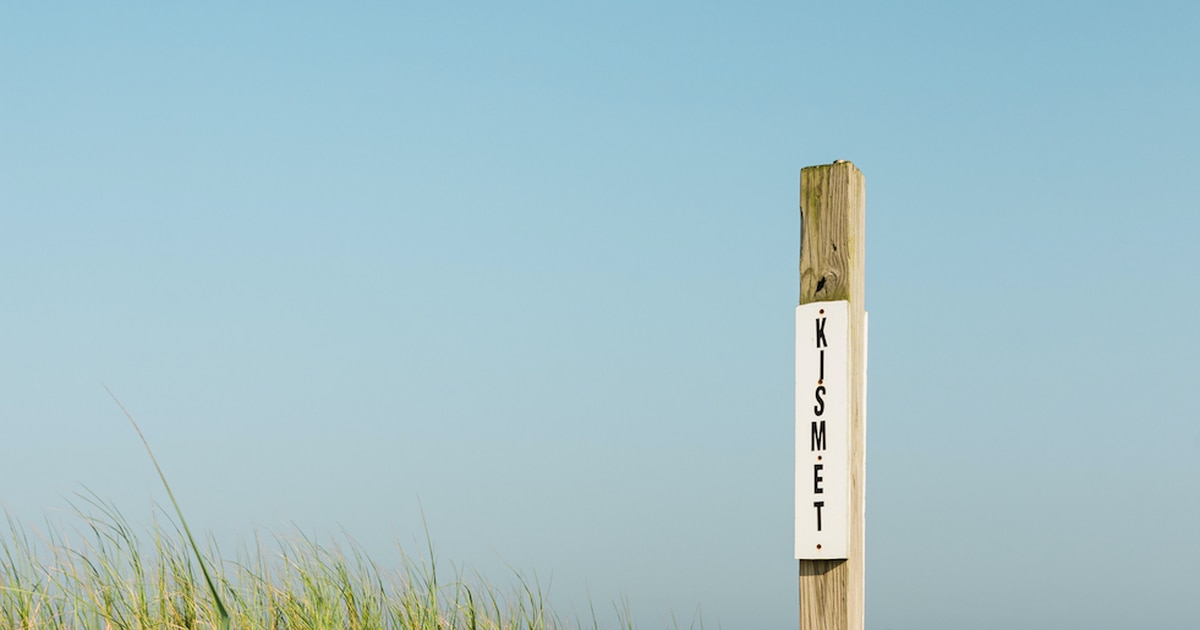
(822, 430)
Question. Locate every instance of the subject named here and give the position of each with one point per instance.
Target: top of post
(832, 231)
(839, 164)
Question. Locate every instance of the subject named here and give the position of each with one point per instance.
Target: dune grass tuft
(102, 574)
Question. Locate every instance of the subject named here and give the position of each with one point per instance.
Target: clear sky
(532, 266)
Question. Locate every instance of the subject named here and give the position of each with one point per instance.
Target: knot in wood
(828, 280)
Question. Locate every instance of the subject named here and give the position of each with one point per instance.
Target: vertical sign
(822, 430)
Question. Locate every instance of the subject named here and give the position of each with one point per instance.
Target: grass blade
(186, 530)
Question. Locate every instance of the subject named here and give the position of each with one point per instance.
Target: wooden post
(833, 220)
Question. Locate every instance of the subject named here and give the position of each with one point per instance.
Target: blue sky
(533, 267)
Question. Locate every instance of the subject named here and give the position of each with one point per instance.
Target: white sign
(822, 430)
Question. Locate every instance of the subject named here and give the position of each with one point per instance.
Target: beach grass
(101, 573)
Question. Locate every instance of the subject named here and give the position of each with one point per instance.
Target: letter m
(818, 435)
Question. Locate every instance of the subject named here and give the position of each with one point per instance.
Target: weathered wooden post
(831, 398)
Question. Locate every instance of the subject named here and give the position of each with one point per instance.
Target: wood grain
(832, 260)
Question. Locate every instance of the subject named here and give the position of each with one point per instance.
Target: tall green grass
(102, 573)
